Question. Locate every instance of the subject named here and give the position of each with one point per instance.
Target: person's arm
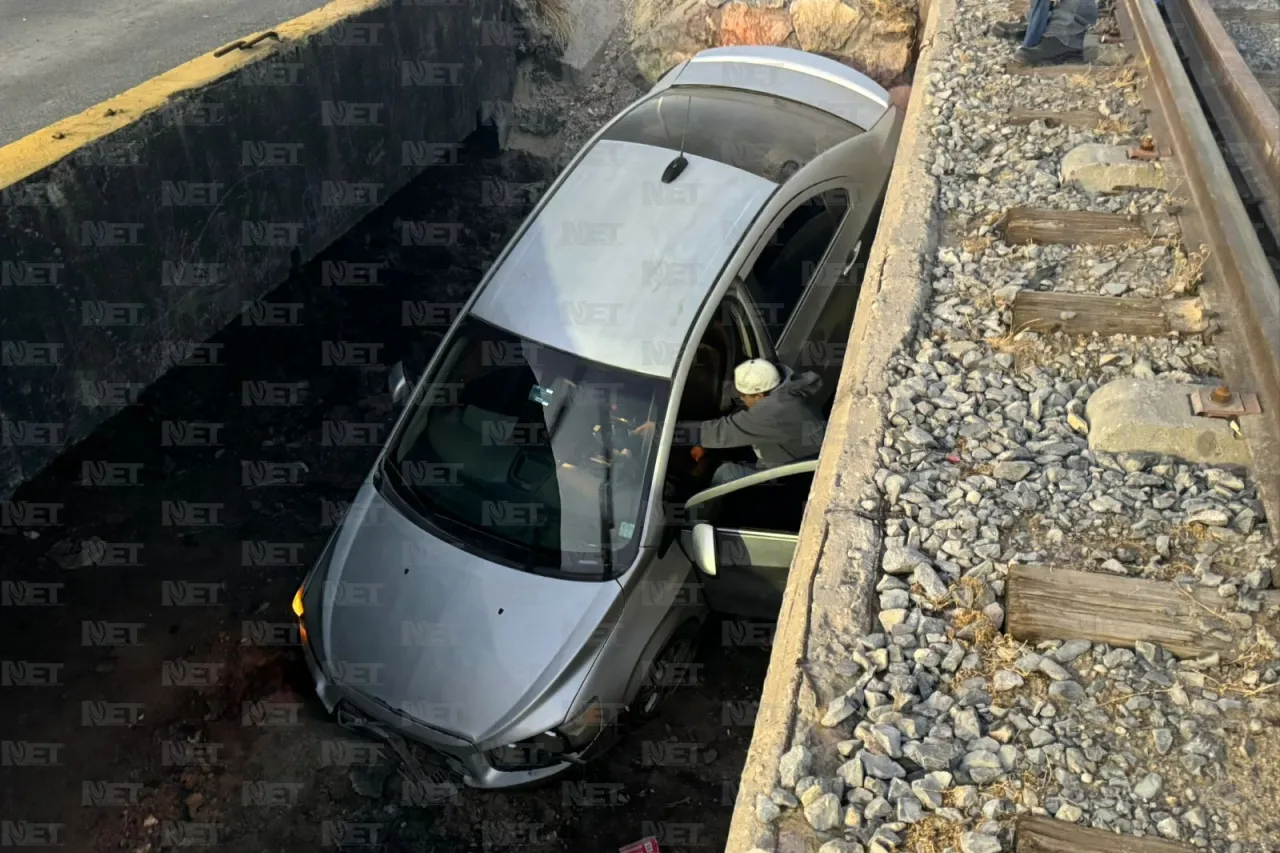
(739, 429)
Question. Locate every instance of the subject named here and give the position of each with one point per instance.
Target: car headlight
(551, 748)
(583, 729)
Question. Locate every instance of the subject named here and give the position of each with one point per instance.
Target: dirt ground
(108, 747)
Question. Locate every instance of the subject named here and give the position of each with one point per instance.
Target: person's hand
(697, 453)
(643, 429)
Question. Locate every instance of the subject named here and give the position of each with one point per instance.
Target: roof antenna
(676, 166)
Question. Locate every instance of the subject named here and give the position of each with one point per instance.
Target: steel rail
(1249, 121)
(1243, 289)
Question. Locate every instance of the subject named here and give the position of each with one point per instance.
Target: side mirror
(398, 383)
(704, 548)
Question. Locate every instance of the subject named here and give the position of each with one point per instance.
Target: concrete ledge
(1148, 416)
(139, 228)
(830, 590)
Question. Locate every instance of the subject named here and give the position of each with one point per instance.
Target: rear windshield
(528, 454)
(769, 137)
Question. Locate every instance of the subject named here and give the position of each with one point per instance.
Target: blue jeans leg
(730, 471)
(1071, 20)
(1037, 22)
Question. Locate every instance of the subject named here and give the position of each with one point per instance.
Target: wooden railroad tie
(1062, 604)
(1084, 314)
(1022, 225)
(1054, 118)
(1045, 835)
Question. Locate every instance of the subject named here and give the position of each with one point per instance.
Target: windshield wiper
(409, 495)
(438, 515)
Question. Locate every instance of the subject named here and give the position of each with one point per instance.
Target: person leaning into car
(779, 420)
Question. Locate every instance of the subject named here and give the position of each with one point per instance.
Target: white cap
(756, 376)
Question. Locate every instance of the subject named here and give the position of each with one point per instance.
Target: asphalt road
(59, 58)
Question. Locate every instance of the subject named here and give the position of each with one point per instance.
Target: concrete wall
(139, 228)
(831, 586)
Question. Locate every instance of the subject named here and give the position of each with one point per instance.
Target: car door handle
(853, 259)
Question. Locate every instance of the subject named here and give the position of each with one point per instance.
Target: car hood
(458, 642)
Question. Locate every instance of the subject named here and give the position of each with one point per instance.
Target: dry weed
(1188, 269)
(1113, 124)
(553, 17)
(935, 834)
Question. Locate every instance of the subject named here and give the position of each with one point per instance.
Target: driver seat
(701, 398)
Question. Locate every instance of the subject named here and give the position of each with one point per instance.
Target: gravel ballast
(938, 730)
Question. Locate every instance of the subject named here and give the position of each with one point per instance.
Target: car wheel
(667, 671)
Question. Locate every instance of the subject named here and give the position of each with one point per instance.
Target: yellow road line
(27, 156)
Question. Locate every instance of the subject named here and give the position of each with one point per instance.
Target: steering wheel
(618, 436)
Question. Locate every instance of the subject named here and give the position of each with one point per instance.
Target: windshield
(527, 453)
(766, 136)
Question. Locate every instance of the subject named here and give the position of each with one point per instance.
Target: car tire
(659, 681)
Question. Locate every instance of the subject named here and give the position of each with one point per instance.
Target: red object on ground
(697, 453)
(646, 845)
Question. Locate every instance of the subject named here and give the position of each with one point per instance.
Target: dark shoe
(1049, 51)
(1012, 30)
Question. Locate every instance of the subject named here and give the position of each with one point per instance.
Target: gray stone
(1135, 415)
(982, 766)
(966, 725)
(1163, 740)
(824, 813)
(841, 847)
(766, 809)
(1069, 813)
(1149, 786)
(885, 740)
(929, 581)
(1070, 650)
(931, 755)
(1068, 691)
(901, 560)
(1012, 471)
(980, 842)
(1053, 670)
(794, 764)
(1006, 679)
(880, 766)
(784, 798)
(852, 773)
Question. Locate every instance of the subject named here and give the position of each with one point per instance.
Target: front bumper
(460, 757)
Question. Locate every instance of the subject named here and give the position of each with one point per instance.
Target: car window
(767, 136)
(775, 505)
(787, 264)
(527, 453)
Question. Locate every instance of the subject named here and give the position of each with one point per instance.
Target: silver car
(522, 572)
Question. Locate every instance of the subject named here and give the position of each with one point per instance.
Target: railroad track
(1242, 91)
(1077, 640)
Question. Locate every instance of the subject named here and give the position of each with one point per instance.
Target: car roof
(616, 265)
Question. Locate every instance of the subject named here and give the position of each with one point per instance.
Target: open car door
(817, 331)
(743, 535)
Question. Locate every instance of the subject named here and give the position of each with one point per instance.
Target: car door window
(775, 506)
(787, 263)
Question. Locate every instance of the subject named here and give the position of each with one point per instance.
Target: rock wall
(876, 37)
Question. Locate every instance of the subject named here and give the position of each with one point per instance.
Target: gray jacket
(783, 427)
